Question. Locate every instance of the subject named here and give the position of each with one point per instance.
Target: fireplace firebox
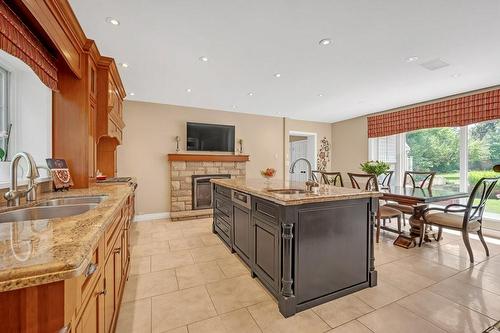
(202, 190)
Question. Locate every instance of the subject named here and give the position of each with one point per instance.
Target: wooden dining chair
(465, 218)
(414, 179)
(370, 183)
(332, 178)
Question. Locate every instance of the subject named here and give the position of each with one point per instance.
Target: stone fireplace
(187, 168)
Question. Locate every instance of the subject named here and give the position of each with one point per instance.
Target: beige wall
(150, 134)
(349, 145)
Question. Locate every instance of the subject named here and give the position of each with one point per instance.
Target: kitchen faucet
(309, 168)
(13, 196)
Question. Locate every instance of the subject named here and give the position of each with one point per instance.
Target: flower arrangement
(375, 167)
(6, 136)
(268, 173)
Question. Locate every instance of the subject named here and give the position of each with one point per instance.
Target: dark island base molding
(305, 255)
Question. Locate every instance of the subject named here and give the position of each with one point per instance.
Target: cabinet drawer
(266, 211)
(86, 281)
(223, 191)
(223, 205)
(222, 225)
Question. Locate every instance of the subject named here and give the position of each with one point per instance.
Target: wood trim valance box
(17, 40)
(453, 112)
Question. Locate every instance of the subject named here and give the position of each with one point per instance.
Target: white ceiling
(363, 71)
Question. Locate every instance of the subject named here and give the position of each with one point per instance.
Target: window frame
(5, 77)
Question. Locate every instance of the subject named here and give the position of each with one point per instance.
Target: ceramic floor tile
(135, 317)
(140, 265)
(491, 266)
(270, 320)
(171, 260)
(167, 235)
(342, 310)
(198, 274)
(237, 321)
(424, 267)
(450, 316)
(380, 295)
(447, 259)
(186, 243)
(481, 279)
(211, 239)
(469, 296)
(236, 293)
(458, 248)
(197, 232)
(405, 280)
(149, 284)
(148, 249)
(351, 327)
(232, 266)
(182, 329)
(395, 318)
(210, 253)
(181, 308)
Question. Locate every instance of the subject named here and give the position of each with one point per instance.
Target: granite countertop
(43, 251)
(260, 188)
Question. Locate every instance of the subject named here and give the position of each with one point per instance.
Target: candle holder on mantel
(177, 141)
(240, 142)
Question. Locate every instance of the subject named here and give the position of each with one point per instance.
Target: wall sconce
(177, 141)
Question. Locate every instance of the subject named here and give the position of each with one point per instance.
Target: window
(483, 151)
(4, 105)
(438, 150)
(460, 156)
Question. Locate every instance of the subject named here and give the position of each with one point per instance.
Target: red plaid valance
(17, 39)
(454, 112)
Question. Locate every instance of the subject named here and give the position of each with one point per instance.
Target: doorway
(301, 145)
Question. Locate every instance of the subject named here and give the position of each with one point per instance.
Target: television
(210, 137)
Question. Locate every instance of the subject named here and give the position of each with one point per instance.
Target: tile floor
(183, 279)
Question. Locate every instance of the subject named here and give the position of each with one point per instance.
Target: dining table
(419, 199)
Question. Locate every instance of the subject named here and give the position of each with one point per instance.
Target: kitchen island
(306, 248)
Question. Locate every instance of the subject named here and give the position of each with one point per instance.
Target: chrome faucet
(309, 167)
(13, 196)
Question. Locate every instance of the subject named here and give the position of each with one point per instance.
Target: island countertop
(44, 251)
(260, 188)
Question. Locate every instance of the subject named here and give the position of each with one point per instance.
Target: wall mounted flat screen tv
(210, 137)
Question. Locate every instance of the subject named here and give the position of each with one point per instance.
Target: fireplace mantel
(208, 158)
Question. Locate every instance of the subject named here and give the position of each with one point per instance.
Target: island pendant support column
(372, 273)
(287, 302)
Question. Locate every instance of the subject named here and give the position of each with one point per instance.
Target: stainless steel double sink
(53, 208)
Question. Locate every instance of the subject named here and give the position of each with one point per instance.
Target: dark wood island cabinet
(306, 248)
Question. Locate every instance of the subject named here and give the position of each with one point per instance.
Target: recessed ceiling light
(204, 59)
(112, 21)
(456, 75)
(250, 94)
(320, 95)
(411, 59)
(188, 90)
(132, 94)
(124, 65)
(325, 41)
(277, 75)
(233, 106)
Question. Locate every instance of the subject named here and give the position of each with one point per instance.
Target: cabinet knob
(91, 269)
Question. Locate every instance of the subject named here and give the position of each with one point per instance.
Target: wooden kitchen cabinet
(92, 317)
(109, 115)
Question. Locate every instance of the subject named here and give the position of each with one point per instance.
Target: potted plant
(375, 167)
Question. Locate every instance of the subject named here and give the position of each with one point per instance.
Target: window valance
(453, 112)
(17, 40)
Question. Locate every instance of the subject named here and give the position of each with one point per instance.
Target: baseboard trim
(152, 216)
